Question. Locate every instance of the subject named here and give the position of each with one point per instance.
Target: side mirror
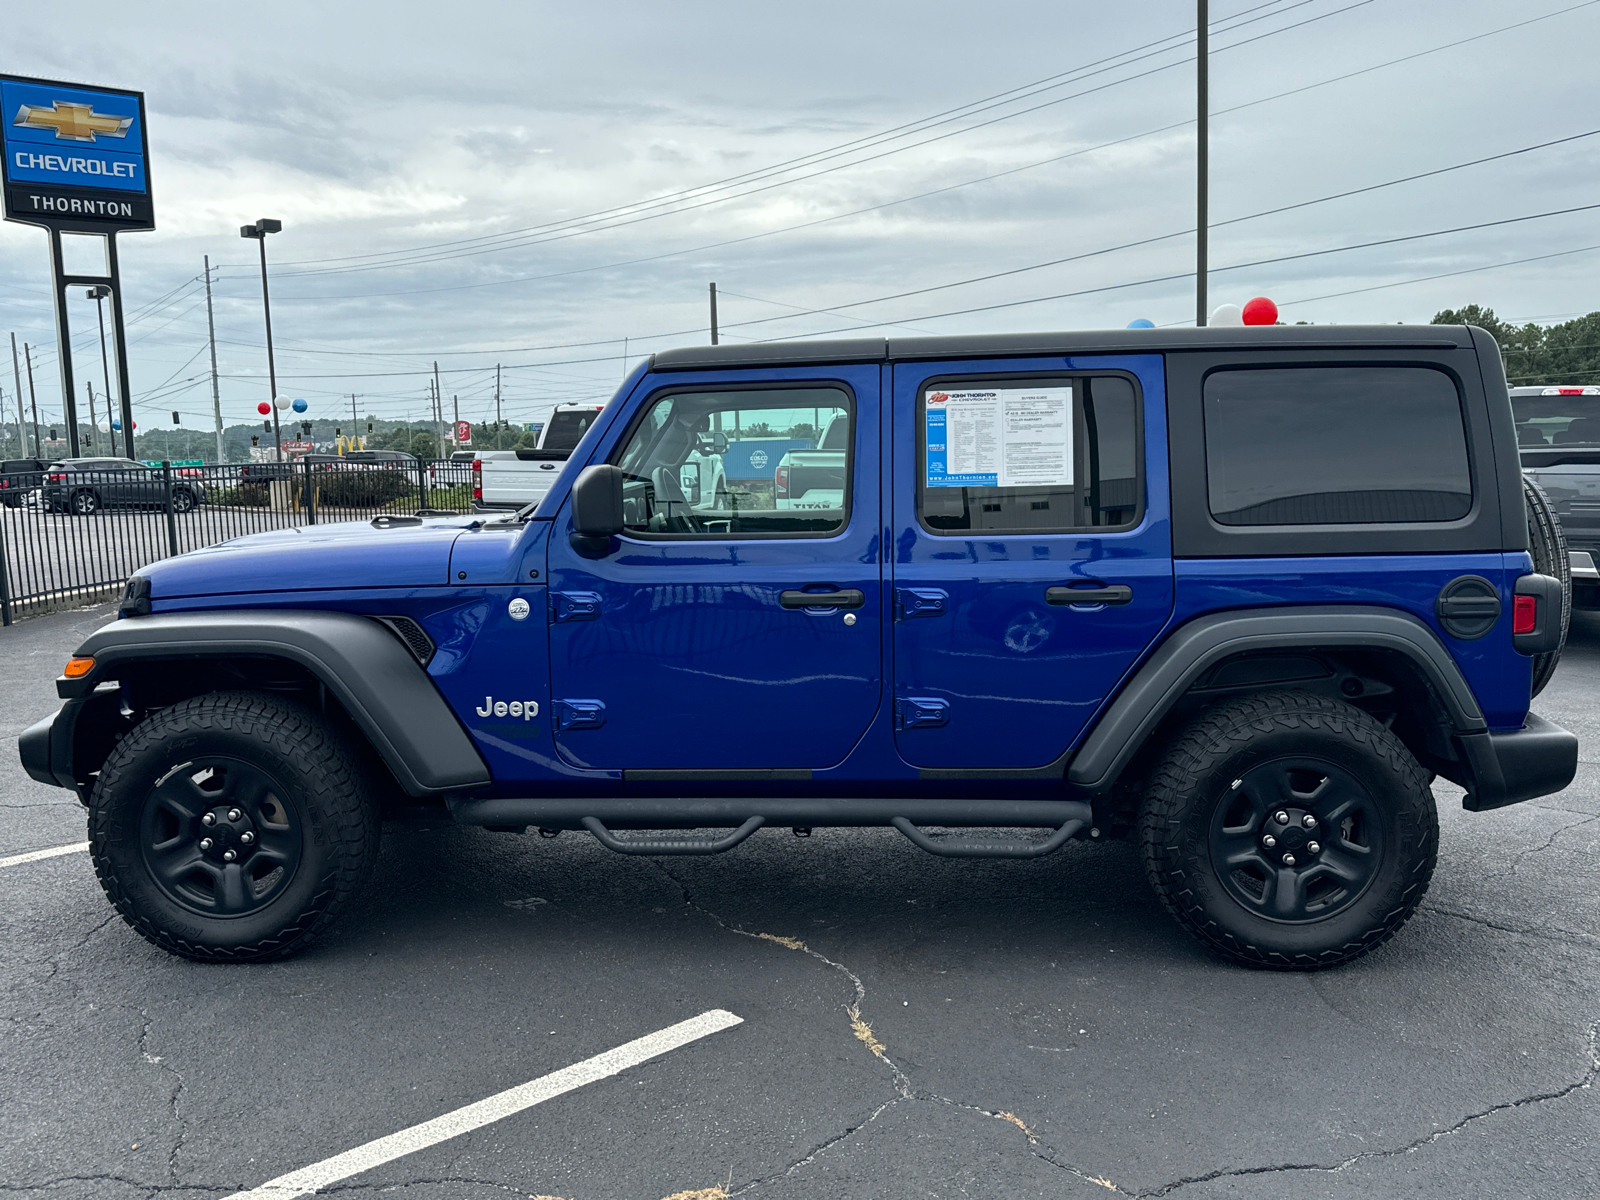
(712, 443)
(597, 507)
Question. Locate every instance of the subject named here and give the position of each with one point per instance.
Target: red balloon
(1260, 311)
(264, 408)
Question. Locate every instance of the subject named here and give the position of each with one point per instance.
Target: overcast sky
(533, 183)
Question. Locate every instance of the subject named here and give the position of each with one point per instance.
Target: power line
(621, 222)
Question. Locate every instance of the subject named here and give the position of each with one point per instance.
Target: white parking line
(16, 860)
(487, 1111)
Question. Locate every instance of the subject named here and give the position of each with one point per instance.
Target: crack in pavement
(1591, 1050)
(157, 1060)
(862, 1031)
(1563, 937)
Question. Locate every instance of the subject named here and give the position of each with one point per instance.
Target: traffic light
(266, 427)
(175, 417)
(305, 428)
(369, 426)
(255, 439)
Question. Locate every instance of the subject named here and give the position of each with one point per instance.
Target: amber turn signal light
(77, 667)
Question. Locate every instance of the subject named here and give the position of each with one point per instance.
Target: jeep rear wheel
(1289, 831)
(232, 826)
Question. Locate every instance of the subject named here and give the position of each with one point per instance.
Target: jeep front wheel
(232, 827)
(1289, 831)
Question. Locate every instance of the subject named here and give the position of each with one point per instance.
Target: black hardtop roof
(1085, 341)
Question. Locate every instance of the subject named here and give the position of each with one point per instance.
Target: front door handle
(1116, 593)
(843, 598)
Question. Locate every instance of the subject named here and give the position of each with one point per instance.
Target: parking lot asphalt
(910, 1026)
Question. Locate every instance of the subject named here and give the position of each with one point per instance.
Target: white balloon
(283, 401)
(1227, 314)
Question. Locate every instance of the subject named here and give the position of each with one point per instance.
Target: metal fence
(73, 533)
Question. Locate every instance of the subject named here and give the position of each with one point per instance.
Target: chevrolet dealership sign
(74, 156)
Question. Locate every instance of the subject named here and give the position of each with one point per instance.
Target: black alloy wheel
(221, 837)
(1288, 830)
(233, 826)
(1296, 839)
(85, 503)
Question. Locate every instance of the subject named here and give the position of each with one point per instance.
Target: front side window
(1335, 446)
(1037, 455)
(764, 462)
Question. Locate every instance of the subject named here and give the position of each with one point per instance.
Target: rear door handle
(1116, 593)
(844, 598)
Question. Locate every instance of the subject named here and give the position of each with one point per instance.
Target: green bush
(363, 489)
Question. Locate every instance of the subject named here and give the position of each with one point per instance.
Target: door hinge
(920, 602)
(921, 712)
(574, 606)
(579, 714)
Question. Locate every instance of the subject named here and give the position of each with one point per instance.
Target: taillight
(58, 479)
(1524, 614)
(477, 479)
(780, 480)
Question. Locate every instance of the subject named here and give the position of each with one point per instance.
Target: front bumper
(44, 745)
(1539, 759)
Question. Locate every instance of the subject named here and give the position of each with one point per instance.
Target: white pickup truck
(815, 478)
(506, 480)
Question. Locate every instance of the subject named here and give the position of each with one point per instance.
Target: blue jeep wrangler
(1238, 594)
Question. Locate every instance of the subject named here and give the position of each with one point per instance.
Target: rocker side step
(602, 816)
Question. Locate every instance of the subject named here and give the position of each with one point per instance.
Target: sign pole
(69, 388)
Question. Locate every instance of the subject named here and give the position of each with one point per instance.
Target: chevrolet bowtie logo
(72, 122)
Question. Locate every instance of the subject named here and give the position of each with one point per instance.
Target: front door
(729, 628)
(1032, 550)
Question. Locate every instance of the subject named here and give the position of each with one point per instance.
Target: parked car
(1558, 436)
(1235, 594)
(83, 486)
(19, 479)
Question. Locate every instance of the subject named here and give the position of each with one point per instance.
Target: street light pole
(259, 232)
(98, 294)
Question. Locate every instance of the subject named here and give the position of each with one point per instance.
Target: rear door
(1032, 550)
(740, 638)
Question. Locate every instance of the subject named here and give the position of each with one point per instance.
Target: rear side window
(1036, 455)
(1335, 446)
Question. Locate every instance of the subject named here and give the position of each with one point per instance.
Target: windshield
(1557, 420)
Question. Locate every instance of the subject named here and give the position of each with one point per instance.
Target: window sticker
(1004, 437)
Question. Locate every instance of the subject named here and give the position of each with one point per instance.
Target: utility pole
(33, 399)
(438, 408)
(16, 373)
(1202, 199)
(714, 300)
(624, 358)
(216, 391)
(497, 426)
(92, 422)
(455, 427)
(354, 420)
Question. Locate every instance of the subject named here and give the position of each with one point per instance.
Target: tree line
(1538, 354)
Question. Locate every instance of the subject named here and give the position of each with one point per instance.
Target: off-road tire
(319, 775)
(1195, 775)
(1547, 544)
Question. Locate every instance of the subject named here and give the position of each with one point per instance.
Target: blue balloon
(116, 425)
(1141, 323)
(299, 406)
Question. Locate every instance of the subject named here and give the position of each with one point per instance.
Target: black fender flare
(362, 663)
(1200, 644)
